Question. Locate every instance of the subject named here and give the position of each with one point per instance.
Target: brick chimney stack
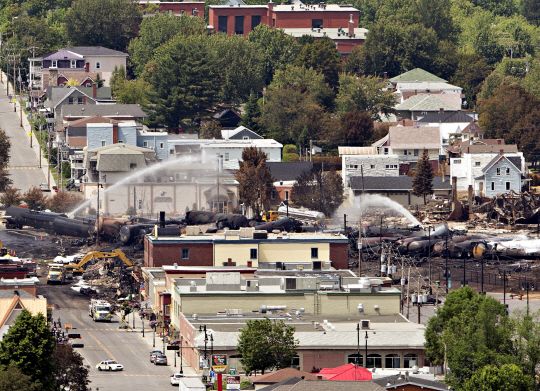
(94, 90)
(441, 110)
(351, 26)
(501, 151)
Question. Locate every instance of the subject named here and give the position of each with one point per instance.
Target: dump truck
(100, 310)
(57, 274)
(78, 267)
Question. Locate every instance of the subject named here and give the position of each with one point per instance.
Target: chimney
(53, 77)
(87, 67)
(441, 110)
(351, 26)
(319, 377)
(162, 219)
(454, 190)
(385, 75)
(94, 90)
(115, 133)
(249, 263)
(499, 141)
(415, 92)
(403, 122)
(501, 152)
(229, 262)
(270, 6)
(467, 149)
(470, 196)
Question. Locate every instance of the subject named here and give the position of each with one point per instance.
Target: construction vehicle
(78, 267)
(57, 274)
(271, 215)
(99, 310)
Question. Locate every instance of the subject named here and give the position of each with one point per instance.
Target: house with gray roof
(398, 189)
(240, 133)
(120, 112)
(405, 381)
(502, 175)
(420, 105)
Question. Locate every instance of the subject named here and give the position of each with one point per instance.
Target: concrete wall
(239, 252)
(209, 153)
(299, 252)
(328, 302)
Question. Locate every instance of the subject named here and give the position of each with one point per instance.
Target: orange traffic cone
(41, 237)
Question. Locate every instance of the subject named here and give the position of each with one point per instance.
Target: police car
(109, 365)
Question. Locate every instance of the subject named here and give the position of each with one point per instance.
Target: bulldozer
(78, 267)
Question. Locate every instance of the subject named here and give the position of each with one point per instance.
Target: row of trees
(61, 202)
(483, 347)
(315, 190)
(30, 360)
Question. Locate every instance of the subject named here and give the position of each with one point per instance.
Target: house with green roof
(416, 75)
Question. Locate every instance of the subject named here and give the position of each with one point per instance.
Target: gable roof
(101, 92)
(33, 305)
(409, 137)
(80, 76)
(348, 372)
(95, 119)
(227, 113)
(71, 90)
(239, 133)
(281, 375)
(402, 182)
(62, 54)
(327, 385)
(491, 148)
(458, 116)
(288, 171)
(95, 51)
(469, 128)
(514, 160)
(398, 381)
(275, 386)
(426, 102)
(117, 110)
(421, 86)
(416, 74)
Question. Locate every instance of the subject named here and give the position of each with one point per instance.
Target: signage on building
(219, 359)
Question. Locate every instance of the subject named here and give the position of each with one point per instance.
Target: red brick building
(175, 8)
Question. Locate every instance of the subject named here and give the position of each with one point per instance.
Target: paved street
(24, 165)
(105, 341)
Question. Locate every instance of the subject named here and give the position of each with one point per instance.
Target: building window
(386, 151)
(253, 253)
(89, 84)
(477, 164)
(316, 23)
(273, 22)
(392, 361)
(226, 156)
(287, 195)
(161, 145)
(457, 161)
(355, 359)
(185, 253)
(103, 143)
(507, 185)
(405, 152)
(54, 64)
(239, 25)
(132, 166)
(492, 185)
(98, 64)
(145, 144)
(416, 152)
(473, 127)
(73, 63)
(498, 171)
(267, 155)
(410, 360)
(374, 361)
(170, 12)
(314, 253)
(171, 152)
(372, 166)
(245, 137)
(273, 195)
(295, 362)
(80, 100)
(507, 170)
(222, 24)
(255, 21)
(70, 101)
(140, 204)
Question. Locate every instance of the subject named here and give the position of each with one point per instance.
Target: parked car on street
(154, 354)
(109, 365)
(175, 379)
(160, 359)
(44, 187)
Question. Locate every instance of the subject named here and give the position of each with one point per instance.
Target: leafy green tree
(317, 190)
(531, 10)
(252, 112)
(133, 91)
(278, 48)
(184, 78)
(354, 64)
(423, 178)
(356, 127)
(508, 377)
(323, 57)
(34, 198)
(29, 345)
(364, 93)
(265, 345)
(156, 31)
(5, 147)
(498, 7)
(70, 374)
(117, 79)
(472, 70)
(11, 197)
(108, 23)
(12, 379)
(241, 63)
(32, 31)
(254, 178)
(472, 331)
(437, 16)
(527, 342)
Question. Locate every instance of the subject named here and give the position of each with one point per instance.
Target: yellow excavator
(78, 267)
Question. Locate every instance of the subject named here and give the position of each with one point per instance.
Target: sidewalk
(27, 129)
(188, 371)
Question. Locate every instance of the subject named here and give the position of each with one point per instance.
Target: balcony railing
(36, 69)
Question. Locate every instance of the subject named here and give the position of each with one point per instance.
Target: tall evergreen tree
(423, 178)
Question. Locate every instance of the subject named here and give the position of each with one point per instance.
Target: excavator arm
(99, 255)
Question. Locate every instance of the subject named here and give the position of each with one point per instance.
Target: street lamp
(181, 355)
(366, 337)
(429, 255)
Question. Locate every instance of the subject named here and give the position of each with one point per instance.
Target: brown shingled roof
(282, 374)
(409, 137)
(95, 119)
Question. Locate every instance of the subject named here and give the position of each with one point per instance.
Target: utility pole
(419, 301)
(7, 71)
(14, 87)
(408, 296)
(446, 262)
(20, 103)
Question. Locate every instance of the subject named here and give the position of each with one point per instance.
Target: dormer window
(73, 63)
(473, 127)
(54, 64)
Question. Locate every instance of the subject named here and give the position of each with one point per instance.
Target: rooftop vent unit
(365, 324)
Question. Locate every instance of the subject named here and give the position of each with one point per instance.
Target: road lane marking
(76, 319)
(23, 168)
(102, 346)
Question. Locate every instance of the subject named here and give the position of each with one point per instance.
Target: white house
(356, 161)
